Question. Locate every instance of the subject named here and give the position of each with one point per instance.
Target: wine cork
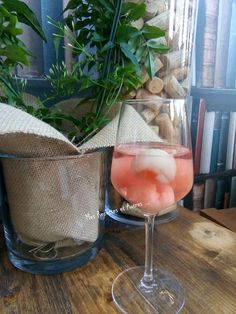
(149, 114)
(174, 60)
(138, 23)
(179, 73)
(158, 63)
(185, 84)
(163, 94)
(142, 93)
(166, 129)
(151, 9)
(154, 86)
(162, 6)
(128, 94)
(173, 87)
(162, 20)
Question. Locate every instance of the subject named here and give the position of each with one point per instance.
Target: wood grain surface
(200, 253)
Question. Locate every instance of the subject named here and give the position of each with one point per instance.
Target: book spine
(234, 154)
(199, 42)
(34, 43)
(224, 128)
(53, 9)
(209, 43)
(232, 198)
(209, 193)
(207, 142)
(220, 194)
(194, 121)
(227, 192)
(231, 61)
(223, 29)
(198, 196)
(215, 142)
(188, 200)
(199, 135)
(231, 141)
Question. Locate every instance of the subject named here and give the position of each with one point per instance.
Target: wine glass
(152, 169)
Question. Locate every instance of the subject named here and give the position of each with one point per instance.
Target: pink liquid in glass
(152, 176)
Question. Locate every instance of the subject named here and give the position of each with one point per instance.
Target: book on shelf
(207, 139)
(220, 193)
(209, 43)
(227, 192)
(231, 60)
(224, 127)
(195, 198)
(215, 142)
(198, 113)
(53, 9)
(198, 53)
(222, 42)
(232, 198)
(231, 141)
(34, 43)
(209, 193)
(234, 154)
(198, 196)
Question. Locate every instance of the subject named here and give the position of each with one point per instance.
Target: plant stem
(107, 62)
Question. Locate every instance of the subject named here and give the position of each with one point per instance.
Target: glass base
(56, 266)
(129, 295)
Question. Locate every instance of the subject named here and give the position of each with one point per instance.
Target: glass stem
(148, 280)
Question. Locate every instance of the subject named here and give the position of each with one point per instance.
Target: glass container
(53, 211)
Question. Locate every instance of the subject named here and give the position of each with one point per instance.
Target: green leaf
(150, 65)
(140, 52)
(82, 23)
(160, 48)
(97, 37)
(126, 51)
(126, 32)
(151, 32)
(15, 53)
(73, 4)
(25, 15)
(134, 43)
(107, 46)
(106, 4)
(133, 10)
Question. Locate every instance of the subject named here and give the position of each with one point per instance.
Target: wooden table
(200, 253)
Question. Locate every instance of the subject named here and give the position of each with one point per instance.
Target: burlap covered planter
(52, 199)
(55, 208)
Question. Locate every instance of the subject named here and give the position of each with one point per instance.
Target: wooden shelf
(217, 175)
(217, 98)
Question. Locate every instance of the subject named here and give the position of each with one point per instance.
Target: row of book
(213, 139)
(215, 47)
(217, 193)
(44, 54)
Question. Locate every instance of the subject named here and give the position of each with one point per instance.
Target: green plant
(13, 52)
(111, 54)
(12, 49)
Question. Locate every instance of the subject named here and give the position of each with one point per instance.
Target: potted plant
(117, 51)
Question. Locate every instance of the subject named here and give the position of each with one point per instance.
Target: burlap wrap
(52, 199)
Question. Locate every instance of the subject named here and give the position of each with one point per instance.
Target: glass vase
(53, 211)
